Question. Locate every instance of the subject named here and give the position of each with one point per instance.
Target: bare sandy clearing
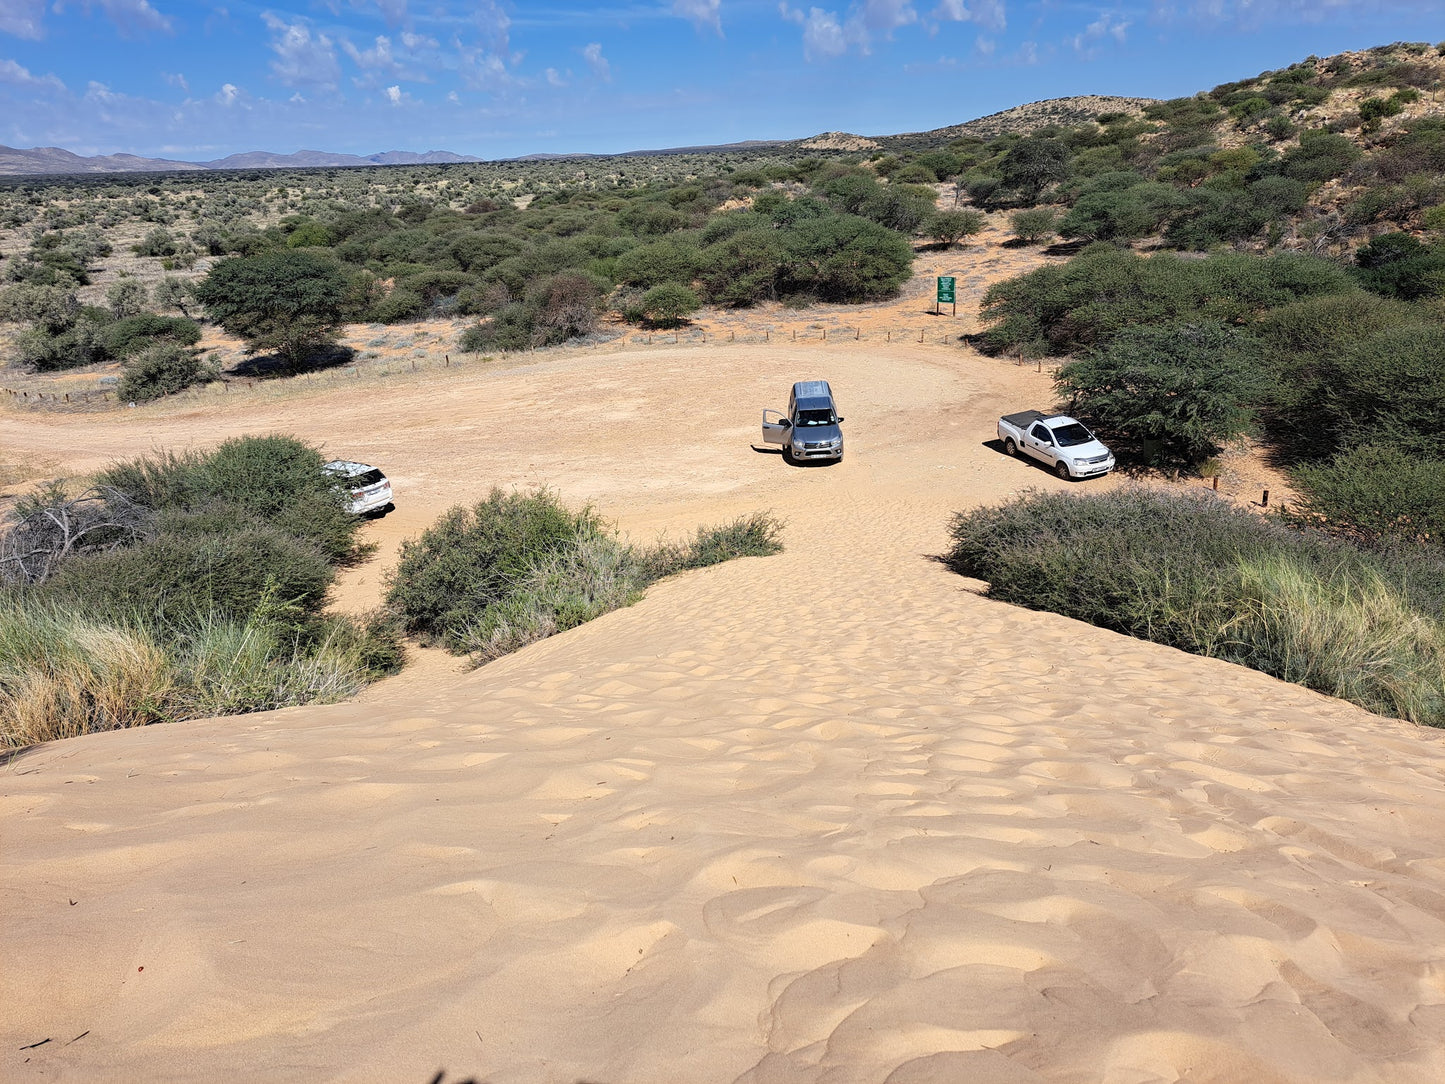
(825, 816)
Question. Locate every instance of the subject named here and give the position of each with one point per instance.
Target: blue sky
(196, 80)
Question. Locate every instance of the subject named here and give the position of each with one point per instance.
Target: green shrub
(160, 370)
(1375, 492)
(1034, 225)
(275, 479)
(519, 567)
(844, 258)
(290, 301)
(135, 333)
(673, 259)
(557, 591)
(467, 560)
(1192, 572)
(743, 268)
(1108, 214)
(1085, 302)
(191, 570)
(1173, 393)
(158, 242)
(949, 227)
(669, 304)
(126, 297)
(1387, 388)
(755, 535)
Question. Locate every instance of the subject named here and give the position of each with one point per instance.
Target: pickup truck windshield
(816, 417)
(1070, 435)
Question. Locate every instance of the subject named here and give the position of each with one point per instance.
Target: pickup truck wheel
(1010, 448)
(1062, 470)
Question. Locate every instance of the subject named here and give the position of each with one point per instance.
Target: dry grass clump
(63, 673)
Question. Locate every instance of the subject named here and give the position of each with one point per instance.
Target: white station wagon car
(367, 489)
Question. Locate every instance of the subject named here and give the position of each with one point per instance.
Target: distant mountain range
(1023, 118)
(55, 160)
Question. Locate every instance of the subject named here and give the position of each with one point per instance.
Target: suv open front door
(778, 430)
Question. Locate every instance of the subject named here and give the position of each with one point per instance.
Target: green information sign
(945, 289)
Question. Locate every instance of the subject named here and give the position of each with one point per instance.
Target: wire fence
(380, 369)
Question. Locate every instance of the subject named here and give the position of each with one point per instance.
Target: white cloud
(704, 14)
(554, 78)
(394, 11)
(823, 35)
(394, 95)
(228, 94)
(378, 58)
(827, 34)
(132, 16)
(495, 25)
(176, 79)
(988, 14)
(1286, 12)
(1103, 27)
(301, 60)
(885, 16)
(592, 53)
(16, 75)
(22, 18)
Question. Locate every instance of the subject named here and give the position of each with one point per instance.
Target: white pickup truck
(1061, 442)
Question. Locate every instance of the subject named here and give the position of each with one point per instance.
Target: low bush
(1034, 225)
(1192, 572)
(134, 333)
(161, 370)
(669, 304)
(755, 535)
(1376, 493)
(468, 560)
(194, 567)
(519, 567)
(276, 479)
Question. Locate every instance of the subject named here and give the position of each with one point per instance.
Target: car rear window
(368, 478)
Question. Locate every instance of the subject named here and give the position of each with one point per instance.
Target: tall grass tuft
(62, 675)
(1344, 632)
(1192, 572)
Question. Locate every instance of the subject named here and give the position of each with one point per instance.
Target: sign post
(946, 294)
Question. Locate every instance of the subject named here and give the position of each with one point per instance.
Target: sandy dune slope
(826, 816)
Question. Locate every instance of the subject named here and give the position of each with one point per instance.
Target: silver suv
(811, 429)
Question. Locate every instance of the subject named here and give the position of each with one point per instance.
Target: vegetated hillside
(1316, 156)
(1068, 112)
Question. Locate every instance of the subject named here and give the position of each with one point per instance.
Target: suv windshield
(821, 416)
(1070, 435)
